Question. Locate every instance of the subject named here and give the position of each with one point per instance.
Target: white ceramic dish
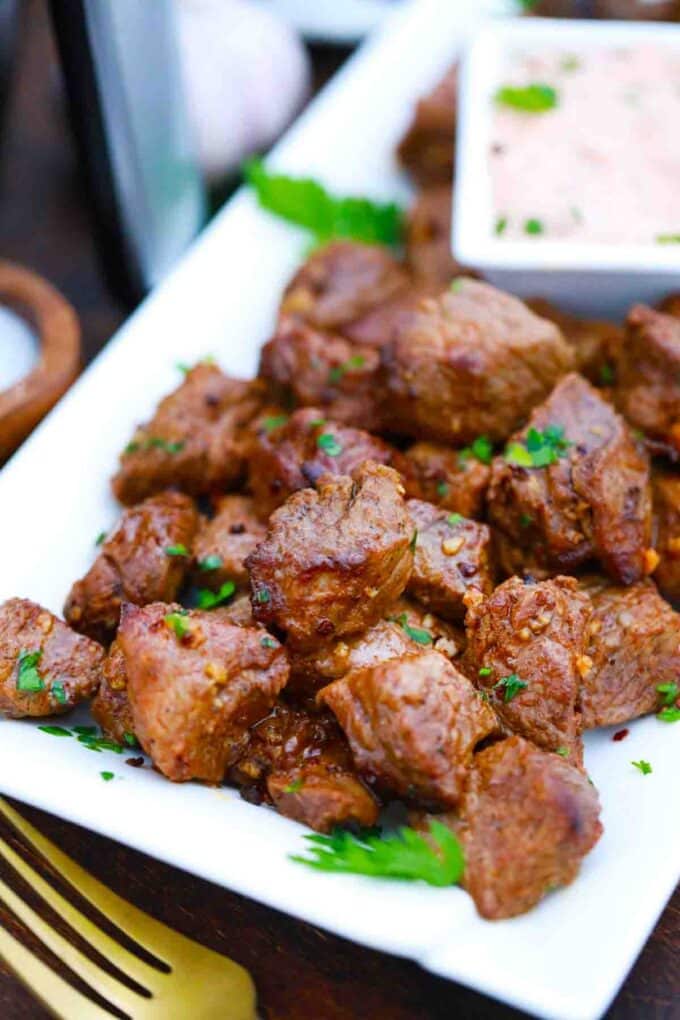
(587, 278)
(341, 22)
(566, 959)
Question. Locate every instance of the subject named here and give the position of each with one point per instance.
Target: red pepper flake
(135, 762)
(620, 734)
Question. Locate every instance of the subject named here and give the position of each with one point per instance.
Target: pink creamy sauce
(603, 165)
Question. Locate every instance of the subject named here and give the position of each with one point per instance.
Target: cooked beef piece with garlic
(452, 555)
(300, 761)
(196, 683)
(634, 646)
(648, 377)
(335, 557)
(427, 148)
(527, 819)
(223, 543)
(295, 454)
(413, 724)
(596, 343)
(428, 237)
(666, 499)
(111, 705)
(472, 362)
(453, 479)
(45, 668)
(671, 304)
(527, 649)
(196, 440)
(145, 559)
(594, 501)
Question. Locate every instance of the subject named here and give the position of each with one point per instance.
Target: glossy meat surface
(111, 705)
(596, 343)
(666, 493)
(428, 237)
(223, 543)
(449, 478)
(427, 148)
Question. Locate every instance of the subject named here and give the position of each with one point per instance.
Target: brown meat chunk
(596, 343)
(452, 555)
(413, 724)
(134, 564)
(427, 148)
(111, 706)
(196, 440)
(472, 362)
(45, 668)
(535, 635)
(648, 376)
(298, 452)
(527, 820)
(452, 479)
(223, 543)
(634, 646)
(196, 683)
(428, 237)
(335, 557)
(595, 501)
(300, 761)
(671, 304)
(666, 493)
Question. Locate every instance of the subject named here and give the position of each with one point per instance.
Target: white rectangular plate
(564, 960)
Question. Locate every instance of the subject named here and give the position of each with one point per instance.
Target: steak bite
(427, 148)
(591, 500)
(299, 761)
(145, 559)
(634, 647)
(527, 819)
(45, 668)
(452, 555)
(196, 683)
(295, 454)
(666, 493)
(223, 543)
(453, 479)
(648, 376)
(196, 440)
(527, 650)
(471, 362)
(428, 237)
(111, 705)
(596, 343)
(335, 557)
(413, 724)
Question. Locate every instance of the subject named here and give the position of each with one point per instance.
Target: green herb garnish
(606, 374)
(670, 714)
(480, 448)
(329, 444)
(182, 367)
(485, 671)
(570, 63)
(59, 693)
(525, 520)
(404, 854)
(268, 642)
(563, 752)
(295, 786)
(275, 421)
(353, 364)
(176, 550)
(539, 449)
(417, 634)
(210, 599)
(669, 693)
(55, 731)
(642, 766)
(178, 623)
(93, 742)
(501, 226)
(101, 538)
(668, 239)
(511, 686)
(155, 443)
(533, 227)
(106, 776)
(211, 562)
(130, 739)
(456, 285)
(442, 489)
(454, 519)
(534, 98)
(28, 677)
(414, 540)
(262, 597)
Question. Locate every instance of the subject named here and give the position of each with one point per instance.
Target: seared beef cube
(472, 362)
(45, 668)
(295, 454)
(648, 376)
(454, 479)
(300, 761)
(634, 648)
(196, 440)
(427, 148)
(144, 560)
(335, 557)
(666, 493)
(527, 650)
(596, 343)
(592, 499)
(428, 237)
(111, 706)
(527, 820)
(196, 683)
(452, 555)
(413, 724)
(671, 304)
(223, 543)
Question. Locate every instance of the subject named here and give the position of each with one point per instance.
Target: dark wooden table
(301, 973)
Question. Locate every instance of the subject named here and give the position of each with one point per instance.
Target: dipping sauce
(586, 146)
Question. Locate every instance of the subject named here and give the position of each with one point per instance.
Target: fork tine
(56, 995)
(109, 987)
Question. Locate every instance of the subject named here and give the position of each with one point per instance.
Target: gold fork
(200, 984)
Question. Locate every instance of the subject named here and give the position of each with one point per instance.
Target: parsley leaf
(101, 538)
(210, 599)
(268, 642)
(533, 227)
(178, 623)
(404, 854)
(485, 671)
(534, 98)
(643, 766)
(329, 444)
(274, 421)
(176, 550)
(262, 597)
(106, 776)
(155, 443)
(414, 541)
(442, 489)
(295, 786)
(668, 239)
(511, 686)
(28, 677)
(356, 362)
(669, 693)
(480, 448)
(606, 374)
(670, 714)
(211, 562)
(563, 752)
(308, 204)
(59, 693)
(501, 226)
(55, 731)
(538, 449)
(454, 519)
(417, 634)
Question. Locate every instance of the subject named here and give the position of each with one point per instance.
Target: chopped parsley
(176, 550)
(606, 374)
(539, 449)
(155, 443)
(417, 634)
(480, 448)
(485, 671)
(442, 489)
(106, 776)
(670, 714)
(94, 742)
(454, 519)
(58, 692)
(210, 599)
(212, 562)
(306, 203)
(534, 98)
(274, 421)
(525, 520)
(668, 239)
(500, 226)
(130, 739)
(101, 538)
(414, 541)
(642, 766)
(262, 597)
(178, 623)
(329, 444)
(533, 227)
(570, 62)
(563, 752)
(511, 686)
(182, 367)
(353, 364)
(268, 642)
(669, 693)
(28, 677)
(406, 854)
(295, 786)
(456, 285)
(55, 731)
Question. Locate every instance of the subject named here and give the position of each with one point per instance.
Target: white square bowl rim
(479, 76)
